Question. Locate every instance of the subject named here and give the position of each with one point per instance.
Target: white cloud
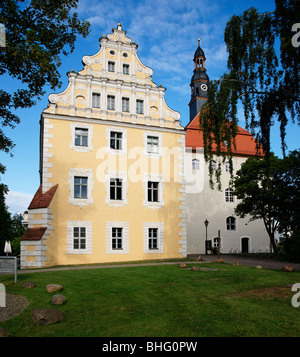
(18, 202)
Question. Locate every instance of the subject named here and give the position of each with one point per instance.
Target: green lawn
(161, 301)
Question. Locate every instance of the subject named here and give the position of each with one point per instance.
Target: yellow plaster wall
(64, 158)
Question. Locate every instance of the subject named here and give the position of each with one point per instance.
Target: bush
(291, 247)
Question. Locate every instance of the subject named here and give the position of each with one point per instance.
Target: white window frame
(126, 69)
(140, 106)
(121, 176)
(123, 131)
(159, 180)
(111, 102)
(160, 237)
(215, 242)
(227, 166)
(227, 223)
(96, 100)
(125, 237)
(195, 164)
(111, 66)
(80, 148)
(159, 150)
(88, 173)
(88, 237)
(125, 105)
(229, 197)
(213, 165)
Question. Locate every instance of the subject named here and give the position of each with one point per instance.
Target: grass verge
(161, 301)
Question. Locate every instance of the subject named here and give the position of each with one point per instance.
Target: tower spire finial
(198, 38)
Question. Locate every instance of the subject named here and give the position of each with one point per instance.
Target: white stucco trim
(118, 129)
(88, 238)
(125, 237)
(151, 154)
(90, 137)
(160, 237)
(116, 175)
(155, 178)
(84, 173)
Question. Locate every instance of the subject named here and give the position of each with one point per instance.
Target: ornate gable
(115, 85)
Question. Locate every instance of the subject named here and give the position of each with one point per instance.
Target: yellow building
(111, 167)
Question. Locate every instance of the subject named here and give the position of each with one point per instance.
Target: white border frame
(125, 237)
(160, 227)
(88, 173)
(90, 137)
(88, 238)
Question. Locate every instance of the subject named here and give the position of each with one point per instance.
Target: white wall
(204, 203)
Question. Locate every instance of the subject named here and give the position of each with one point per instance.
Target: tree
(263, 78)
(37, 32)
(5, 219)
(269, 189)
(287, 181)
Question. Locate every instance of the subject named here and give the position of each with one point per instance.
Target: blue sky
(166, 33)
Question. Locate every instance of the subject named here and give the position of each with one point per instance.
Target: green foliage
(263, 77)
(44, 30)
(269, 189)
(291, 247)
(11, 227)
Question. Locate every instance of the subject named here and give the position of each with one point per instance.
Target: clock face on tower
(204, 87)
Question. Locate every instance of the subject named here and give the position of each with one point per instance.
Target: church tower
(199, 83)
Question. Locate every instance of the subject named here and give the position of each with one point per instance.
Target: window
(81, 184)
(111, 102)
(216, 242)
(111, 66)
(195, 164)
(80, 187)
(229, 195)
(115, 140)
(139, 106)
(153, 191)
(95, 100)
(79, 237)
(125, 105)
(126, 69)
(115, 189)
(153, 238)
(213, 165)
(117, 237)
(81, 137)
(152, 144)
(227, 166)
(230, 223)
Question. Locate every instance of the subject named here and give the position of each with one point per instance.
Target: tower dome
(199, 83)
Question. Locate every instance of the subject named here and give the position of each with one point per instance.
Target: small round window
(112, 52)
(125, 54)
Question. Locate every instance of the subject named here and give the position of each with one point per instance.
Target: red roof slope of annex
(246, 145)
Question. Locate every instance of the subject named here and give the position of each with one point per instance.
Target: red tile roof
(245, 142)
(42, 200)
(34, 233)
